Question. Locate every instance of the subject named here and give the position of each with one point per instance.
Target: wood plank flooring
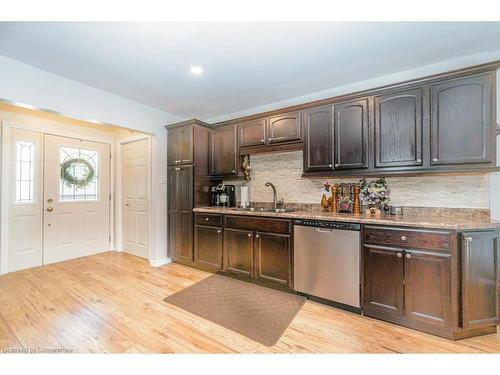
(112, 303)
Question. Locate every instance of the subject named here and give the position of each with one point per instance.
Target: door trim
(6, 126)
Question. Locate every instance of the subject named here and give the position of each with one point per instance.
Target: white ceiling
(245, 64)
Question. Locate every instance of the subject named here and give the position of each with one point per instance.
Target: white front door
(76, 198)
(24, 197)
(135, 197)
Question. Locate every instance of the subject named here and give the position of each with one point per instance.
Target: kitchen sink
(266, 209)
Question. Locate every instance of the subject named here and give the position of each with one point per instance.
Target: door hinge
(110, 238)
(109, 196)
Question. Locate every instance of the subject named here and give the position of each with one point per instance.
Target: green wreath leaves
(70, 179)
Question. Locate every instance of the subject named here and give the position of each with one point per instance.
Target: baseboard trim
(159, 262)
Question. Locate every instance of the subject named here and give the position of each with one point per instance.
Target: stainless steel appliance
(223, 195)
(327, 261)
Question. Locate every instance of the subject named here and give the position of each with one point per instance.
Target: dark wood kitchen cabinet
(350, 133)
(318, 139)
(398, 128)
(383, 275)
(238, 251)
(273, 258)
(187, 184)
(180, 145)
(481, 279)
(208, 247)
(285, 128)
(223, 151)
(252, 133)
(463, 121)
(259, 250)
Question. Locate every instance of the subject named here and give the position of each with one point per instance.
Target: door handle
(323, 231)
(50, 209)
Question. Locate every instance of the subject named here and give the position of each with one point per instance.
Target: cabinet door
(208, 247)
(351, 134)
(462, 126)
(186, 145)
(238, 251)
(173, 146)
(285, 128)
(173, 199)
(481, 283)
(383, 281)
(428, 288)
(273, 258)
(173, 224)
(223, 159)
(253, 133)
(398, 129)
(318, 140)
(185, 188)
(184, 237)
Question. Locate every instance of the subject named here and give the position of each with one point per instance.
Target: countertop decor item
(246, 167)
(375, 193)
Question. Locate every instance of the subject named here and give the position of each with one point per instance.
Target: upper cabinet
(351, 134)
(318, 139)
(253, 133)
(180, 145)
(398, 128)
(223, 151)
(462, 126)
(269, 134)
(285, 128)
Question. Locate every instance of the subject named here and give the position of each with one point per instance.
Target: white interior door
(76, 198)
(24, 196)
(135, 197)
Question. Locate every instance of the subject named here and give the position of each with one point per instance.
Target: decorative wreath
(68, 172)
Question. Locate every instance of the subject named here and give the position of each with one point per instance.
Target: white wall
(441, 67)
(25, 84)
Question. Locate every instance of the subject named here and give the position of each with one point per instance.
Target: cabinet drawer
(208, 219)
(259, 224)
(410, 238)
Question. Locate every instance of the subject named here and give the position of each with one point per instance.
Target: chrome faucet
(275, 194)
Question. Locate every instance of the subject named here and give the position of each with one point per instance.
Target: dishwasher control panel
(328, 224)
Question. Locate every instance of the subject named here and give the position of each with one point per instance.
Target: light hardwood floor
(113, 302)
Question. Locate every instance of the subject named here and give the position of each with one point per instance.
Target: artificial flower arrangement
(376, 194)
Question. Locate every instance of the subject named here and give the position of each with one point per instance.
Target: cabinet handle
(270, 139)
(257, 236)
(219, 231)
(468, 243)
(233, 171)
(403, 238)
(419, 160)
(399, 255)
(262, 140)
(330, 165)
(336, 165)
(408, 256)
(249, 234)
(435, 159)
(177, 169)
(207, 219)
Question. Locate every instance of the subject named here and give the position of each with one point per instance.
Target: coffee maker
(223, 195)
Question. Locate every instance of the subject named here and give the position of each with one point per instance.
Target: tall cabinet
(187, 184)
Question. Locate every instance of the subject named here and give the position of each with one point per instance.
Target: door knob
(50, 209)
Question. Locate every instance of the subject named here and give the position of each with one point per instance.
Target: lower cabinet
(409, 287)
(254, 252)
(208, 247)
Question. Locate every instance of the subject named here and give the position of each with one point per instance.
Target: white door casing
(75, 224)
(24, 151)
(135, 196)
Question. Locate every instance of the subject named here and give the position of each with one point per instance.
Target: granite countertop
(437, 222)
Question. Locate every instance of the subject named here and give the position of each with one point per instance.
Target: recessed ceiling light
(196, 69)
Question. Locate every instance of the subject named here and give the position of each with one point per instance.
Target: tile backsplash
(285, 170)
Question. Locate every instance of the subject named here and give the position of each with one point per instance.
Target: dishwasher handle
(323, 230)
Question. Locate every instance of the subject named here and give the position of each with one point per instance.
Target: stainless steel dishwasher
(327, 261)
